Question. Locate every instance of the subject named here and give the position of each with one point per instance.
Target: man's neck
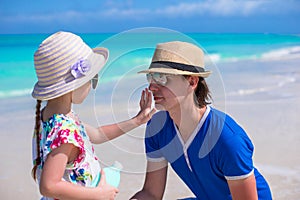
(187, 118)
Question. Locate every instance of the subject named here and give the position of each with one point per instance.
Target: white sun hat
(63, 63)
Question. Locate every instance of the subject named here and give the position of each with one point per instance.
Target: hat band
(179, 66)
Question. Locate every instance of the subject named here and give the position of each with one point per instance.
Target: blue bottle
(112, 174)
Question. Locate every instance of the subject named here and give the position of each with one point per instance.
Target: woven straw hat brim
(97, 60)
(175, 72)
(178, 58)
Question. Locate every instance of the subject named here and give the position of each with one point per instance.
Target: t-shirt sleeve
(65, 132)
(152, 145)
(236, 158)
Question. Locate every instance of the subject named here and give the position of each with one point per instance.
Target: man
(208, 150)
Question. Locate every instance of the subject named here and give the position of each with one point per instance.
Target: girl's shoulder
(62, 120)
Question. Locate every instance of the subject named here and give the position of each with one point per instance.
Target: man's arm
(155, 182)
(243, 189)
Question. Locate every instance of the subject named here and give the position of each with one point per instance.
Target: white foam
(14, 93)
(243, 92)
(287, 80)
(283, 53)
(275, 54)
(212, 58)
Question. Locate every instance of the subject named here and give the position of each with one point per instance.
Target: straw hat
(179, 58)
(63, 63)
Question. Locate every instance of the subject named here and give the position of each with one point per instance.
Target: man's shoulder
(158, 122)
(160, 117)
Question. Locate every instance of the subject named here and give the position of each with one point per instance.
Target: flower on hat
(80, 68)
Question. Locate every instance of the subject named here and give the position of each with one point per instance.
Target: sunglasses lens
(158, 78)
(95, 81)
(149, 77)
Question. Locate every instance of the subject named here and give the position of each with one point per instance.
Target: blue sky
(204, 16)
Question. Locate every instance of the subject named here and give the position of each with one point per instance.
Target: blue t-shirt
(218, 150)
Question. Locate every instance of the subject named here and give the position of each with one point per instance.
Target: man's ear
(193, 80)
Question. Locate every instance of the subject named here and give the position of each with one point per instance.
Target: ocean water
(254, 67)
(132, 51)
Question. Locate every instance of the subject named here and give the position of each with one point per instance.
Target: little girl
(65, 164)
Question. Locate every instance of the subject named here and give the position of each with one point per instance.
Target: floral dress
(61, 129)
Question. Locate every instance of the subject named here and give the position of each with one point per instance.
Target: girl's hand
(106, 191)
(145, 112)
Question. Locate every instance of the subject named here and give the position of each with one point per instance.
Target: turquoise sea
(256, 79)
(132, 49)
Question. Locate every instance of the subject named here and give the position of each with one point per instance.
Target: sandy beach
(265, 100)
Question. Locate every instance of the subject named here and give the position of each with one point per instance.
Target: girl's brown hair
(37, 126)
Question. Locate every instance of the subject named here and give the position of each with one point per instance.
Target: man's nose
(153, 86)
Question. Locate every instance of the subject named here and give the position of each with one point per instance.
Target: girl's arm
(52, 185)
(109, 132)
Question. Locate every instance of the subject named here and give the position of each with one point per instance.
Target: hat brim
(97, 59)
(175, 72)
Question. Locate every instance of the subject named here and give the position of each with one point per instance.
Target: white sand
(271, 118)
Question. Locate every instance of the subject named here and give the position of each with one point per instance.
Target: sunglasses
(94, 81)
(158, 78)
